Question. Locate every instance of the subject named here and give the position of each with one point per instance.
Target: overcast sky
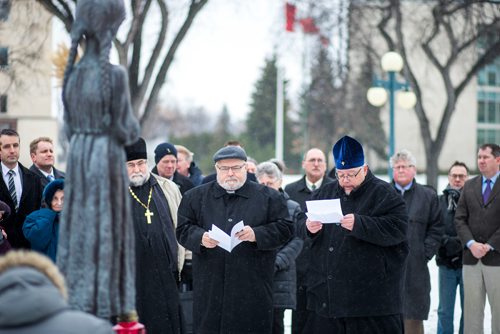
(223, 54)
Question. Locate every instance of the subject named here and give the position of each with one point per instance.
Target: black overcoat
(233, 291)
(425, 230)
(31, 197)
(359, 273)
(285, 276)
(43, 179)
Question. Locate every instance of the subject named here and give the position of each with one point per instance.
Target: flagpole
(279, 113)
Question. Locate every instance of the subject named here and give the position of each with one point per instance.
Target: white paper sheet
(327, 211)
(225, 241)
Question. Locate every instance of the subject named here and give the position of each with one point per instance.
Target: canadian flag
(290, 12)
(308, 24)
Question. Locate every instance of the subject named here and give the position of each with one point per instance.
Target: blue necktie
(12, 188)
(50, 177)
(487, 191)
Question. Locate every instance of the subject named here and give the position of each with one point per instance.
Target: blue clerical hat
(348, 153)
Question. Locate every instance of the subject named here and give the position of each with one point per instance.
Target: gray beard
(138, 181)
(232, 188)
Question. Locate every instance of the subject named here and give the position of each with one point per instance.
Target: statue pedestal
(130, 327)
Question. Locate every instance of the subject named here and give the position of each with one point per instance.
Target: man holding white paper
(357, 266)
(233, 290)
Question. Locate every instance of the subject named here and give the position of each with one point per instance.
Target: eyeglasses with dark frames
(226, 169)
(347, 176)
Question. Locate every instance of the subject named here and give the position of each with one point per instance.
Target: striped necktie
(12, 188)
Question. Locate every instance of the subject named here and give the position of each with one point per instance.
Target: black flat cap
(230, 152)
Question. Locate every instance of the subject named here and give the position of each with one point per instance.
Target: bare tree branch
(153, 60)
(194, 8)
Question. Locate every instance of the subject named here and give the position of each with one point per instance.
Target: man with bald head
(314, 165)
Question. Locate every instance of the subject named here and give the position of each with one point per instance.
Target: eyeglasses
(311, 161)
(226, 169)
(458, 176)
(403, 167)
(347, 176)
(139, 164)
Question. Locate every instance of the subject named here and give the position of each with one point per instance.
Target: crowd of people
(366, 273)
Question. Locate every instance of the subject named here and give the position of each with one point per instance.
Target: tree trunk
(432, 171)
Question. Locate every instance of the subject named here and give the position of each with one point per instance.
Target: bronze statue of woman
(96, 241)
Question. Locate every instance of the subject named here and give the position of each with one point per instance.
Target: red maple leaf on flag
(309, 26)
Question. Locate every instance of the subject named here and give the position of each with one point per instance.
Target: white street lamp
(391, 63)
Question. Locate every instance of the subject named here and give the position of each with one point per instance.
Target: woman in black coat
(285, 278)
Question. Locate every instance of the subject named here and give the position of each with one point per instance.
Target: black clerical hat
(137, 150)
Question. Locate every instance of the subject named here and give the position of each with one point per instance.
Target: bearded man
(154, 208)
(233, 290)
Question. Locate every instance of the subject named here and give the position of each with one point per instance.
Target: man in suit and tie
(19, 188)
(477, 219)
(314, 165)
(42, 155)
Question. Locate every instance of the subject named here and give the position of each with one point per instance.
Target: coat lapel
(477, 188)
(26, 182)
(5, 193)
(495, 191)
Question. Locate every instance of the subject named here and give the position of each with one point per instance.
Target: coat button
(230, 220)
(330, 249)
(330, 276)
(323, 305)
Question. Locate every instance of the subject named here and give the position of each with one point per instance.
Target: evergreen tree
(320, 111)
(259, 138)
(205, 143)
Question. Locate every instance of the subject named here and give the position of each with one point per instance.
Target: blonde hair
(184, 150)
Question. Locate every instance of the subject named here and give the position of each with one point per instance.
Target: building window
(8, 124)
(4, 9)
(488, 108)
(485, 136)
(3, 103)
(492, 79)
(4, 57)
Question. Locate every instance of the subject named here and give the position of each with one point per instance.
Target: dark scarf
(452, 196)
